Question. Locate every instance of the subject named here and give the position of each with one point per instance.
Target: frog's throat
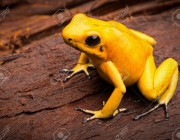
(97, 55)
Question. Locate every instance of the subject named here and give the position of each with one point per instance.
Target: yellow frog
(115, 51)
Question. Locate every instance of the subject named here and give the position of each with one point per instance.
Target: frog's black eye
(92, 40)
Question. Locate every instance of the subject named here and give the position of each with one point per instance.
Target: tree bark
(36, 104)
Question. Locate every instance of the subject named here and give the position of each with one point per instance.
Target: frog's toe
(88, 119)
(65, 79)
(96, 114)
(152, 109)
(68, 77)
(86, 111)
(87, 73)
(79, 109)
(83, 110)
(65, 71)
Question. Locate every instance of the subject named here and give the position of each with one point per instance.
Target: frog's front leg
(82, 65)
(159, 84)
(110, 108)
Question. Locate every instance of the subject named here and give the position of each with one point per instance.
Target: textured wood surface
(35, 104)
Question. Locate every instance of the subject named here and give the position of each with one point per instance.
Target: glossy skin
(122, 57)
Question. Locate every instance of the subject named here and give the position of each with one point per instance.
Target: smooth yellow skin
(121, 52)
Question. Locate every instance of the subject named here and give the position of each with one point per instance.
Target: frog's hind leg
(159, 84)
(150, 40)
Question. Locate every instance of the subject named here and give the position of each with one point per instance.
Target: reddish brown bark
(36, 104)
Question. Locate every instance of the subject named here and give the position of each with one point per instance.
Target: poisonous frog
(115, 51)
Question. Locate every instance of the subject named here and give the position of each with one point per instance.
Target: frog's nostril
(69, 39)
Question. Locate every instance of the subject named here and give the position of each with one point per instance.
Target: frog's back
(129, 53)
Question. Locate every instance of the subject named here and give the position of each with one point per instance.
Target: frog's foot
(98, 114)
(152, 109)
(78, 68)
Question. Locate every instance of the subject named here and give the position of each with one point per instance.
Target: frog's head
(87, 35)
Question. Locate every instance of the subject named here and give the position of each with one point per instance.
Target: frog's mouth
(77, 48)
(74, 45)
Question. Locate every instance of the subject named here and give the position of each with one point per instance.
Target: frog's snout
(65, 35)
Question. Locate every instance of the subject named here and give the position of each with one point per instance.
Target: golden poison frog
(116, 50)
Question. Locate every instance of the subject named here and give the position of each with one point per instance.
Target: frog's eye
(92, 40)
